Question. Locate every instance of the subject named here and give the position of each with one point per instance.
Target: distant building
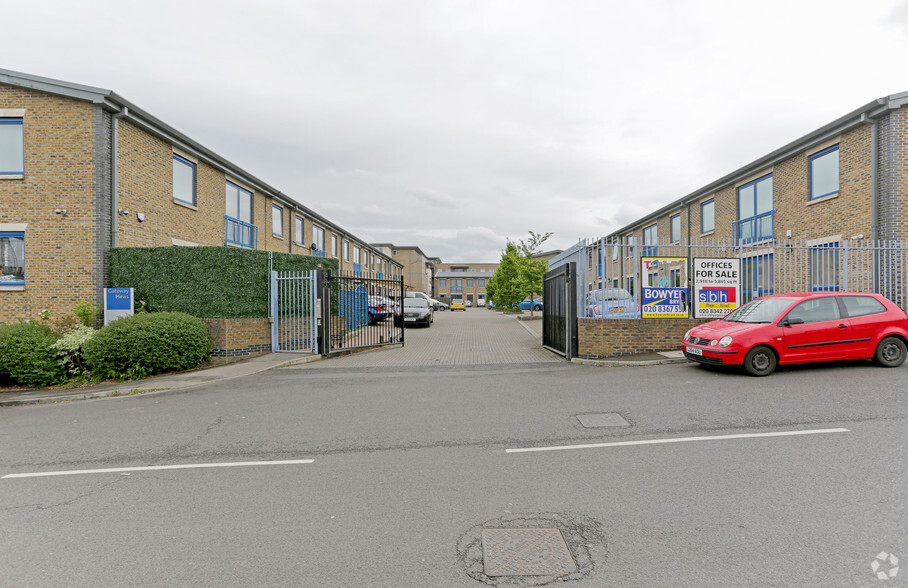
(418, 269)
(466, 281)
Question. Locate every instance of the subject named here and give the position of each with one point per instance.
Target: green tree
(518, 275)
(532, 270)
(506, 280)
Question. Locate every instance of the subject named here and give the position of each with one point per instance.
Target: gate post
(272, 311)
(323, 290)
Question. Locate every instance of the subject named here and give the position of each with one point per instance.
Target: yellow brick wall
(59, 174)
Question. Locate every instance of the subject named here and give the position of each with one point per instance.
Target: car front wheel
(890, 352)
(760, 361)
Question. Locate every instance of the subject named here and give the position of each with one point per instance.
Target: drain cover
(525, 552)
(603, 419)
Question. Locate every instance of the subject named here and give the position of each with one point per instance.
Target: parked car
(526, 304)
(799, 328)
(379, 308)
(457, 304)
(469, 302)
(480, 303)
(416, 311)
(438, 304)
(610, 302)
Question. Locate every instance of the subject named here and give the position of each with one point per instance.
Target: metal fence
(361, 312)
(770, 266)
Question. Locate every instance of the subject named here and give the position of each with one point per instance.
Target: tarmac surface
(475, 337)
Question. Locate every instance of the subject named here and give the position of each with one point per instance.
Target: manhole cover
(604, 419)
(525, 552)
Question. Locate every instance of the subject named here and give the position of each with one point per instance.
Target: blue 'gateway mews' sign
(118, 303)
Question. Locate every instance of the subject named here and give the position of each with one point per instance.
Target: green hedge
(26, 358)
(209, 282)
(147, 344)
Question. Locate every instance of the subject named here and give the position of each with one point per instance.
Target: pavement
(454, 339)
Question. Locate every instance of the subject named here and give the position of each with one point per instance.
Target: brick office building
(797, 217)
(465, 281)
(83, 170)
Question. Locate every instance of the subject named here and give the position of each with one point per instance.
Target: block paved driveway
(475, 337)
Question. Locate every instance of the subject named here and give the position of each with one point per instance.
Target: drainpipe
(114, 183)
(874, 199)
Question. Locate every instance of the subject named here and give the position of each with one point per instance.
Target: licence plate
(410, 320)
(694, 351)
(618, 309)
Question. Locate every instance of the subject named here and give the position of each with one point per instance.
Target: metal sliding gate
(318, 312)
(559, 315)
(294, 312)
(360, 312)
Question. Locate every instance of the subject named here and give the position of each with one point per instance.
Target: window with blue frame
(183, 180)
(240, 230)
(676, 228)
(755, 210)
(318, 237)
(824, 173)
(442, 282)
(650, 241)
(456, 285)
(470, 283)
(12, 259)
(482, 282)
(277, 220)
(757, 277)
(333, 245)
(707, 216)
(12, 146)
(824, 268)
(298, 236)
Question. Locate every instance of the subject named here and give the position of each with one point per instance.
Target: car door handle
(843, 326)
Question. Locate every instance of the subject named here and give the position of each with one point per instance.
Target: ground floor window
(12, 259)
(824, 268)
(757, 276)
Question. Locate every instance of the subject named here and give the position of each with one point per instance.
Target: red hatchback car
(802, 328)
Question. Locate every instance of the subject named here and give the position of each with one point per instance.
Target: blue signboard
(118, 298)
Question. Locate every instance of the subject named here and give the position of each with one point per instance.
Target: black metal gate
(559, 314)
(358, 312)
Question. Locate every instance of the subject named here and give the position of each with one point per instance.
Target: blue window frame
(183, 180)
(482, 282)
(277, 220)
(755, 211)
(456, 285)
(318, 237)
(298, 236)
(708, 216)
(757, 276)
(333, 245)
(824, 268)
(12, 146)
(240, 230)
(12, 259)
(469, 283)
(442, 283)
(676, 228)
(650, 241)
(824, 173)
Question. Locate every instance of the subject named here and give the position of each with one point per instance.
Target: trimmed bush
(147, 344)
(26, 357)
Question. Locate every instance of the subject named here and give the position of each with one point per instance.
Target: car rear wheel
(890, 352)
(760, 361)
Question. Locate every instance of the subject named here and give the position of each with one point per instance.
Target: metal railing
(755, 228)
(240, 233)
(767, 266)
(361, 312)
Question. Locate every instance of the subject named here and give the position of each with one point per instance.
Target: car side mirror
(792, 321)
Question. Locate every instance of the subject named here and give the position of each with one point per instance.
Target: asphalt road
(410, 464)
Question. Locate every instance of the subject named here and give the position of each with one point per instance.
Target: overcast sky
(456, 125)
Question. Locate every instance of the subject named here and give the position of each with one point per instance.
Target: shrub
(26, 357)
(147, 344)
(69, 349)
(88, 313)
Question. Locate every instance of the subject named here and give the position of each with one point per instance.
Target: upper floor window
(346, 251)
(357, 258)
(12, 259)
(824, 173)
(333, 245)
(298, 235)
(469, 283)
(277, 220)
(12, 146)
(708, 216)
(183, 180)
(318, 237)
(755, 210)
(631, 243)
(482, 282)
(239, 203)
(676, 228)
(650, 240)
(442, 282)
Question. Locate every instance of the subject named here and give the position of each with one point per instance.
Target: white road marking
(164, 467)
(677, 440)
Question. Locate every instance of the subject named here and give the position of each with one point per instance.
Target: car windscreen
(611, 294)
(415, 303)
(761, 310)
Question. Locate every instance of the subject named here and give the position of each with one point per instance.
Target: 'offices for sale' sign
(717, 287)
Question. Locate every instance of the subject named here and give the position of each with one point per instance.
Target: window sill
(185, 204)
(12, 288)
(708, 233)
(281, 237)
(822, 199)
(12, 176)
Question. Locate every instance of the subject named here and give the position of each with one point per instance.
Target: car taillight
(596, 310)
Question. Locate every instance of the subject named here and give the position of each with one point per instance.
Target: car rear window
(862, 305)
